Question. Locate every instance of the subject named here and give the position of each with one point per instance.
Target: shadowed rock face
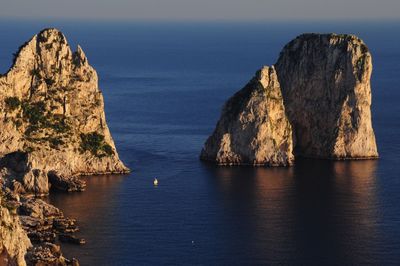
(325, 84)
(253, 128)
(52, 114)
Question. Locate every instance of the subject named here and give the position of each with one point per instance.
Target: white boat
(155, 182)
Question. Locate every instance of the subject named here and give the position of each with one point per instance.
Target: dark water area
(164, 85)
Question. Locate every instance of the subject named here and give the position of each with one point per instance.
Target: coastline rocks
(69, 183)
(49, 254)
(14, 241)
(52, 118)
(253, 128)
(53, 131)
(324, 80)
(29, 230)
(44, 223)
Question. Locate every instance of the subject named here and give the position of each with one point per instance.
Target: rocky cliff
(253, 128)
(317, 102)
(325, 82)
(52, 118)
(29, 229)
(14, 241)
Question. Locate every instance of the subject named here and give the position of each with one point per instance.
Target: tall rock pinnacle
(253, 128)
(325, 81)
(52, 117)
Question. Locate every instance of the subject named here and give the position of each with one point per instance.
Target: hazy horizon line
(125, 20)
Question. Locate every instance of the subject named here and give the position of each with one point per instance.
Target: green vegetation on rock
(95, 144)
(39, 120)
(34, 112)
(12, 103)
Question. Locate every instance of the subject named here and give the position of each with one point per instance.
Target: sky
(201, 10)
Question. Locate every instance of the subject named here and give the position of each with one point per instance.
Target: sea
(164, 84)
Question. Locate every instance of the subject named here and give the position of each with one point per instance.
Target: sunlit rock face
(253, 128)
(52, 116)
(14, 241)
(325, 82)
(316, 98)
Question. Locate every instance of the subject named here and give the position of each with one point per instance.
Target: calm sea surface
(164, 85)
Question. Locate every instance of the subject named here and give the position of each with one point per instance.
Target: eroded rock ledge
(30, 229)
(316, 103)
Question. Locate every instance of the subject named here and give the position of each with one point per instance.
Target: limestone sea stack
(52, 120)
(324, 80)
(253, 128)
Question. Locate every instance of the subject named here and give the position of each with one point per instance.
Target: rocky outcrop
(29, 229)
(52, 118)
(49, 254)
(44, 223)
(14, 241)
(253, 128)
(325, 83)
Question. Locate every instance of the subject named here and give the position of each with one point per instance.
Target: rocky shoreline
(44, 225)
(54, 130)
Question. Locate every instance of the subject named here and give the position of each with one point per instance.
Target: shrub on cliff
(95, 144)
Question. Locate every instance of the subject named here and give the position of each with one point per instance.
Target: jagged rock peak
(80, 57)
(253, 128)
(49, 54)
(52, 117)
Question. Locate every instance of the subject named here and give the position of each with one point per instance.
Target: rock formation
(325, 83)
(52, 118)
(53, 130)
(253, 128)
(29, 228)
(14, 241)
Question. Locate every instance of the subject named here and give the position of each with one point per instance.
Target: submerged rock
(253, 128)
(325, 83)
(52, 117)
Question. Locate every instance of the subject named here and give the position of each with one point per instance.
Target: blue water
(164, 85)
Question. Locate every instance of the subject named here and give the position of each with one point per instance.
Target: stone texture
(253, 128)
(325, 81)
(49, 254)
(14, 241)
(44, 223)
(29, 229)
(52, 117)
